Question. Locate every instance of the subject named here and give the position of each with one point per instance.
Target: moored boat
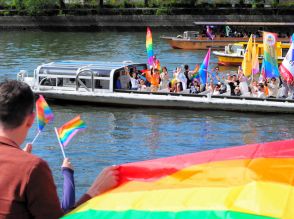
(234, 53)
(94, 82)
(192, 40)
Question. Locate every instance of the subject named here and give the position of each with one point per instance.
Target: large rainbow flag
(287, 66)
(246, 182)
(270, 56)
(149, 46)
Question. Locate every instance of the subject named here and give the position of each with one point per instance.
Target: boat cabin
(83, 76)
(239, 48)
(189, 35)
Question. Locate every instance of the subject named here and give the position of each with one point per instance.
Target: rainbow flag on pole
(270, 56)
(204, 68)
(149, 46)
(69, 129)
(44, 113)
(287, 66)
(246, 182)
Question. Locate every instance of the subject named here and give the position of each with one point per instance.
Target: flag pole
(61, 147)
(36, 137)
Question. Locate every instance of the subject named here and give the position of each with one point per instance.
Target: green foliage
(162, 11)
(37, 7)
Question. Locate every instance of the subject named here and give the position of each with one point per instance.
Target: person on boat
(237, 91)
(231, 85)
(180, 78)
(31, 192)
(195, 87)
(117, 83)
(153, 77)
(261, 91)
(142, 86)
(216, 90)
(134, 81)
(243, 84)
(214, 76)
(187, 75)
(164, 79)
(273, 88)
(254, 88)
(125, 79)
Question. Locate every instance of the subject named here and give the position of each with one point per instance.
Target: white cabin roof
(70, 67)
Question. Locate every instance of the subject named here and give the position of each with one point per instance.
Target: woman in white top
(164, 79)
(134, 81)
(243, 85)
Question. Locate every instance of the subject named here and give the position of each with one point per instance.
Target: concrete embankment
(136, 22)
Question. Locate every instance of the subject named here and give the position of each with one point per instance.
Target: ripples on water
(119, 135)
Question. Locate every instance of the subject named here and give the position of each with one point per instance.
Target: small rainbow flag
(44, 113)
(252, 181)
(69, 129)
(149, 46)
(204, 68)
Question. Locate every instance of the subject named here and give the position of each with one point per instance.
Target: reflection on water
(119, 135)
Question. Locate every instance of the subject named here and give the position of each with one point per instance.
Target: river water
(118, 135)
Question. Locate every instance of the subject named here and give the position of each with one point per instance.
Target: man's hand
(66, 163)
(28, 148)
(106, 180)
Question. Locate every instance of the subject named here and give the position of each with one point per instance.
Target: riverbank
(133, 22)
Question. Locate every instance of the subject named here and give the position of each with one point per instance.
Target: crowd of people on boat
(183, 80)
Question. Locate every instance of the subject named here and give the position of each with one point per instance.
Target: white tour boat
(94, 82)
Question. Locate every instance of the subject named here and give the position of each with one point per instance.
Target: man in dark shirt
(27, 188)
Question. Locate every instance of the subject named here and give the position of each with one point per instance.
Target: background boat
(234, 53)
(192, 40)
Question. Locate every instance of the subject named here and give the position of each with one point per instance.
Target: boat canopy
(71, 67)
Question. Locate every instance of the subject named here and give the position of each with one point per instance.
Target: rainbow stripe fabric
(149, 46)
(204, 68)
(287, 67)
(270, 57)
(44, 113)
(69, 129)
(246, 182)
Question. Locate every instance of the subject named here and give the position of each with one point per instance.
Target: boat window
(101, 84)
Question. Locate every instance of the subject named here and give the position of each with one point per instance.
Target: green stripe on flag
(132, 214)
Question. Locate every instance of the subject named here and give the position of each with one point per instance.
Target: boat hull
(204, 44)
(176, 101)
(227, 60)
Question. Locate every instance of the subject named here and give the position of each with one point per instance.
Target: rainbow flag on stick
(270, 57)
(287, 66)
(44, 115)
(253, 181)
(204, 68)
(149, 46)
(66, 132)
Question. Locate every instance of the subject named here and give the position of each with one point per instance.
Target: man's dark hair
(16, 102)
(186, 67)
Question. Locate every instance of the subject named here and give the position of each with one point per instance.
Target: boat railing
(79, 82)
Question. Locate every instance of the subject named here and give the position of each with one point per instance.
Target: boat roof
(70, 67)
(91, 64)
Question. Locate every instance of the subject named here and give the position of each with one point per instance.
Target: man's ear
(30, 120)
